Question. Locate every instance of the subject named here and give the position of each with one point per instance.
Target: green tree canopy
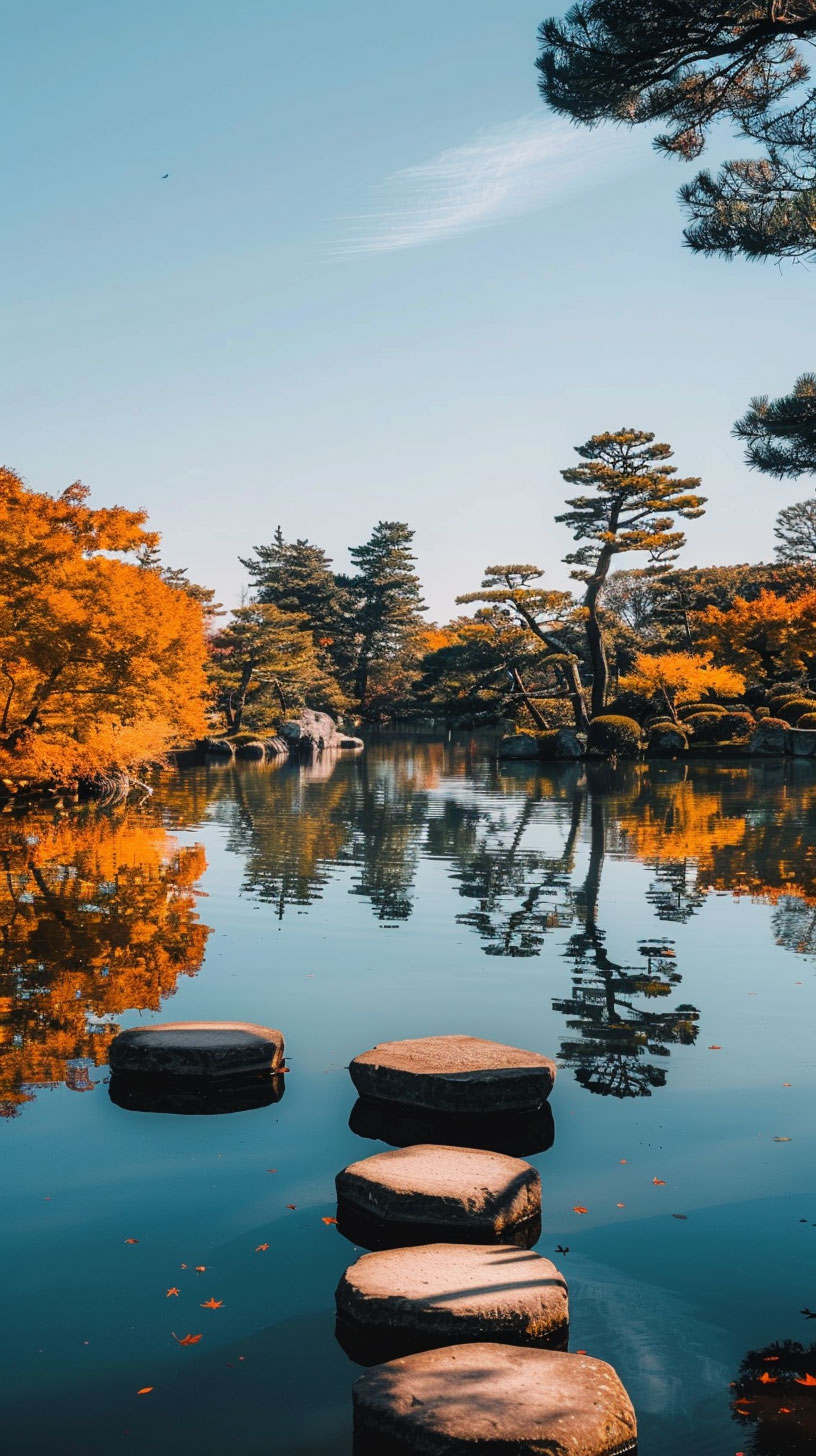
(633, 502)
(780, 434)
(264, 665)
(684, 67)
(795, 532)
(297, 577)
(387, 598)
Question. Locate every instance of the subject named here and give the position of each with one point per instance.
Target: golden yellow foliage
(769, 637)
(681, 677)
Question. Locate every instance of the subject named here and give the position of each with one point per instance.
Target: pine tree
(264, 665)
(514, 592)
(388, 603)
(689, 65)
(795, 531)
(296, 577)
(632, 508)
(780, 434)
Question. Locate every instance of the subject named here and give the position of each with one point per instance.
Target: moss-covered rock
(614, 734)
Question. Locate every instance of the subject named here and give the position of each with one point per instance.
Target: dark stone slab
(204, 1049)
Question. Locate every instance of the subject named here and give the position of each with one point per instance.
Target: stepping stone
(519, 1133)
(413, 1299)
(194, 1096)
(197, 1049)
(454, 1074)
(494, 1398)
(428, 1192)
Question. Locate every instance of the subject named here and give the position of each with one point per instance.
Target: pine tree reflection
(98, 915)
(774, 1398)
(615, 1034)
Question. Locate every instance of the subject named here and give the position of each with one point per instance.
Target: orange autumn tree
(101, 662)
(681, 677)
(767, 639)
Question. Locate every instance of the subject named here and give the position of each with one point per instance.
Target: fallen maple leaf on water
(145, 1390)
(579, 1209)
(261, 1249)
(131, 1241)
(200, 1268)
(715, 1048)
(293, 1206)
(171, 1291)
(212, 1304)
(659, 1182)
(782, 1139)
(328, 1220)
(187, 1340)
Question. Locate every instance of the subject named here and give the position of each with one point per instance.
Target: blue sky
(379, 282)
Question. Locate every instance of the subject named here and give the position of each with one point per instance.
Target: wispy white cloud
(519, 167)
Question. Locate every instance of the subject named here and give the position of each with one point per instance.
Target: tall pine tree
(388, 603)
(632, 507)
(296, 577)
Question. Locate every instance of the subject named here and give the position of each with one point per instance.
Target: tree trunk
(594, 634)
(537, 718)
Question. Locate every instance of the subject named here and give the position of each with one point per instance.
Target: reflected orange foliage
(97, 916)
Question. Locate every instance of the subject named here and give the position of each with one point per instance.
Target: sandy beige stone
(197, 1049)
(494, 1398)
(445, 1294)
(463, 1188)
(454, 1074)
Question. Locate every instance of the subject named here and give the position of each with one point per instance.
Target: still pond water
(653, 928)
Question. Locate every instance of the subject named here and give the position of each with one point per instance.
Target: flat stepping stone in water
(404, 1300)
(428, 1192)
(495, 1398)
(205, 1049)
(454, 1074)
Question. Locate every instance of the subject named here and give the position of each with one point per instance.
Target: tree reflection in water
(98, 915)
(98, 908)
(774, 1398)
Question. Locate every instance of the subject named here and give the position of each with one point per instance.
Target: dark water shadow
(366, 1231)
(367, 1347)
(519, 1134)
(194, 1096)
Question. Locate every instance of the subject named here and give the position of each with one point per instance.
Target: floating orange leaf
(145, 1390)
(784, 1410)
(212, 1303)
(261, 1249)
(184, 1266)
(293, 1206)
(200, 1268)
(659, 1182)
(328, 1220)
(715, 1048)
(806, 1380)
(187, 1339)
(622, 1161)
(131, 1241)
(171, 1291)
(768, 1379)
(579, 1209)
(782, 1139)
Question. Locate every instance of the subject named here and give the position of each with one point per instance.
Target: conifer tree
(780, 434)
(296, 577)
(687, 66)
(795, 532)
(387, 596)
(634, 500)
(264, 665)
(512, 590)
